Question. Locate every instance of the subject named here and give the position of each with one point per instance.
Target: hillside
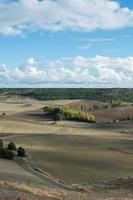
(118, 94)
(67, 160)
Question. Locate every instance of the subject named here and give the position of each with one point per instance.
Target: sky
(66, 43)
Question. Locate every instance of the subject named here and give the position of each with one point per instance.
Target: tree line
(67, 113)
(107, 95)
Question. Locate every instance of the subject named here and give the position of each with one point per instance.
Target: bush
(12, 146)
(21, 152)
(1, 144)
(7, 154)
(3, 114)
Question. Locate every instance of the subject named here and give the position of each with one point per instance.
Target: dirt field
(104, 114)
(81, 155)
(114, 114)
(72, 152)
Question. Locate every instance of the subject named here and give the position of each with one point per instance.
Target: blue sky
(78, 43)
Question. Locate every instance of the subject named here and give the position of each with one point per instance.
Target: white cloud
(79, 15)
(28, 73)
(80, 71)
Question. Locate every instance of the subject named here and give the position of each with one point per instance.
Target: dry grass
(46, 193)
(18, 198)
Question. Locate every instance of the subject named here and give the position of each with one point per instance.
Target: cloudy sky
(66, 43)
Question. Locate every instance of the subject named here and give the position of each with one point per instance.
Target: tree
(67, 113)
(10, 155)
(21, 152)
(12, 146)
(1, 144)
(58, 117)
(7, 154)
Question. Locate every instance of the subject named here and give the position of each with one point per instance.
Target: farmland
(62, 154)
(81, 155)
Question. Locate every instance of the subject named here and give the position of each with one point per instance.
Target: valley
(65, 155)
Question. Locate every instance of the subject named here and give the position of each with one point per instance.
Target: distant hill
(118, 94)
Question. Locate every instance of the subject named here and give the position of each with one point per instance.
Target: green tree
(58, 117)
(10, 155)
(1, 144)
(12, 146)
(7, 154)
(21, 152)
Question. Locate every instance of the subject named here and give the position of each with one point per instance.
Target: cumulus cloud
(17, 17)
(78, 71)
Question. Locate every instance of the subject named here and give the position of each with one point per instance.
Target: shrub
(12, 146)
(21, 152)
(3, 114)
(7, 154)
